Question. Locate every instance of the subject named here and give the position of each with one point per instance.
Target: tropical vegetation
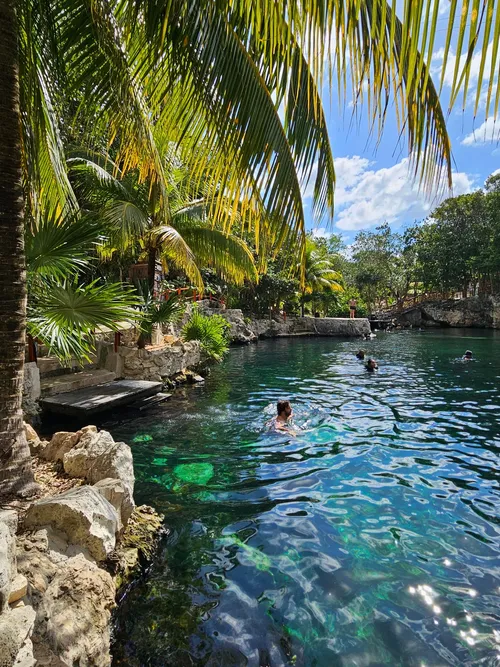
(229, 92)
(454, 252)
(211, 330)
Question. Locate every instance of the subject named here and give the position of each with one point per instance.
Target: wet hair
(468, 353)
(371, 361)
(281, 406)
(360, 354)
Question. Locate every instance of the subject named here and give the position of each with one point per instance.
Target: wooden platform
(92, 400)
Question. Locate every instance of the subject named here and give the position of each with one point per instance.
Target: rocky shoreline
(65, 554)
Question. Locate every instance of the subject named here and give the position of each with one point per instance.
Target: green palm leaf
(228, 255)
(64, 316)
(59, 246)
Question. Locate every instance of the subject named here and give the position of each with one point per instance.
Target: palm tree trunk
(16, 475)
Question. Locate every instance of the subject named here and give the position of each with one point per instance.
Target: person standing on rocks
(352, 308)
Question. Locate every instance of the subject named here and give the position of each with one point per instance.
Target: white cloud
(366, 197)
(486, 132)
(475, 65)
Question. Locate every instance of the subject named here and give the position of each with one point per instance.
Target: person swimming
(467, 356)
(283, 420)
(371, 365)
(360, 354)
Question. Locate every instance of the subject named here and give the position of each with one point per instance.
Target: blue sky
(373, 184)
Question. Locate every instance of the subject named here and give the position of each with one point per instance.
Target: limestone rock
(16, 626)
(7, 563)
(74, 613)
(86, 517)
(96, 457)
(30, 432)
(61, 443)
(10, 519)
(18, 588)
(115, 493)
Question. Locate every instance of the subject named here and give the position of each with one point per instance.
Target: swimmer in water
(467, 356)
(371, 365)
(283, 420)
(360, 354)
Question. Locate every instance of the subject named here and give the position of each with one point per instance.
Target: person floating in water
(371, 365)
(360, 354)
(283, 420)
(467, 356)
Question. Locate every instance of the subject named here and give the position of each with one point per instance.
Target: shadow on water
(370, 539)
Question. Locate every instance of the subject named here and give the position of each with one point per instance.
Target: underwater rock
(194, 473)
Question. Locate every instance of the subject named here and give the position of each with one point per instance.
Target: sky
(373, 185)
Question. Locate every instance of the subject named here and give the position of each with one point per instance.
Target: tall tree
(15, 463)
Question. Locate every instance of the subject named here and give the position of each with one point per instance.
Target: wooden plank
(92, 400)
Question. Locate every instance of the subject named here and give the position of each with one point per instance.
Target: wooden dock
(86, 402)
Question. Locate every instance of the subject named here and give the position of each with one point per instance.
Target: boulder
(73, 616)
(16, 627)
(60, 443)
(97, 457)
(18, 588)
(116, 494)
(7, 559)
(83, 514)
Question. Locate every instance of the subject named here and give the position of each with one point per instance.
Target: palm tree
(319, 273)
(233, 81)
(190, 231)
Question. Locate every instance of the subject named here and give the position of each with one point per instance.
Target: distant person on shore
(360, 354)
(352, 308)
(467, 356)
(371, 365)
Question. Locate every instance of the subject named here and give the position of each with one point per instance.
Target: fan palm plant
(217, 74)
(319, 273)
(63, 309)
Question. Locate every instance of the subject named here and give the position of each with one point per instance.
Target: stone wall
(150, 364)
(246, 330)
(478, 312)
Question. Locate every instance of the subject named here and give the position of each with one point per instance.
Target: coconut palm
(320, 274)
(190, 231)
(236, 80)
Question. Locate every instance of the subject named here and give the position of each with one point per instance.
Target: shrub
(211, 331)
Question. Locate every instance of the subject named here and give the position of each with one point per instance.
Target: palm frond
(59, 245)
(229, 256)
(64, 316)
(174, 247)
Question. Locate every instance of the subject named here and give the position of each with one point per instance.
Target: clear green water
(371, 539)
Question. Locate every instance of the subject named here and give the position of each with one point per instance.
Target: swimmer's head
(468, 354)
(360, 354)
(371, 365)
(284, 409)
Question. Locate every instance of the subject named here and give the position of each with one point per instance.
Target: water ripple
(370, 539)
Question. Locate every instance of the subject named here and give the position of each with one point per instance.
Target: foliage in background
(153, 311)
(455, 251)
(211, 331)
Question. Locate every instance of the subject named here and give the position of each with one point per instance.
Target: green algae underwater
(372, 538)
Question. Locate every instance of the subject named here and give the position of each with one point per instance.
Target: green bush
(211, 331)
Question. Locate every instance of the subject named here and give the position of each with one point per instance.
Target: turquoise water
(370, 539)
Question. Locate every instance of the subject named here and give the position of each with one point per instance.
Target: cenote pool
(371, 539)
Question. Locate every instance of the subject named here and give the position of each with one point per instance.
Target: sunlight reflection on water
(370, 539)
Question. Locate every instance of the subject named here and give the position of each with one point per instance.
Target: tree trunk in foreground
(16, 475)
